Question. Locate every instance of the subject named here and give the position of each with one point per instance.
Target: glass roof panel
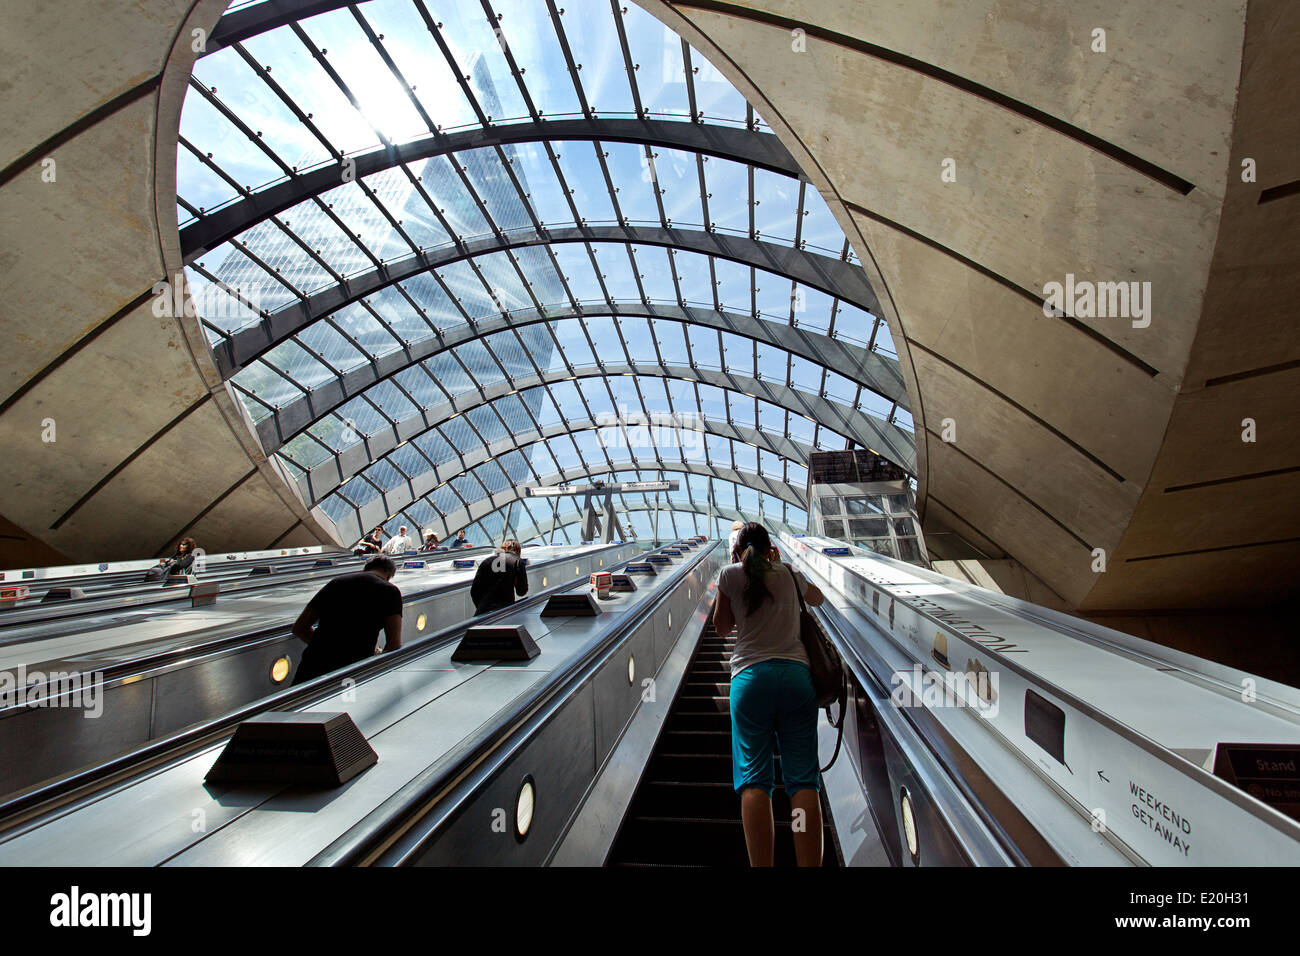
(508, 292)
(205, 127)
(478, 54)
(616, 270)
(298, 364)
(360, 326)
(579, 275)
(464, 283)
(526, 27)
(694, 278)
(439, 203)
(776, 205)
(408, 42)
(593, 38)
(580, 164)
(727, 186)
(677, 175)
(734, 282)
(715, 97)
(630, 172)
(538, 179)
(304, 81)
(443, 183)
(574, 347)
(382, 100)
(198, 185)
(491, 180)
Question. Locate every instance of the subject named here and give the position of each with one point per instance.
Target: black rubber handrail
(157, 595)
(148, 662)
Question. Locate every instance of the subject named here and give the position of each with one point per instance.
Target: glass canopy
(443, 251)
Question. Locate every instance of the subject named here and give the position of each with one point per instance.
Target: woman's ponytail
(754, 546)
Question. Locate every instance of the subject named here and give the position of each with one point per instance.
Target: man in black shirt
(499, 578)
(348, 613)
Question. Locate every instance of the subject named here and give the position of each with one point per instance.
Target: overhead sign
(616, 487)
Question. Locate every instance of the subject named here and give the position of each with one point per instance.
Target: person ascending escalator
(499, 579)
(772, 694)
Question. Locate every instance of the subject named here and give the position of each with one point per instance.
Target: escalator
(685, 812)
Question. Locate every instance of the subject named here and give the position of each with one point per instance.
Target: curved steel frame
(836, 277)
(754, 148)
(382, 508)
(865, 430)
(873, 371)
(332, 474)
(839, 278)
(545, 530)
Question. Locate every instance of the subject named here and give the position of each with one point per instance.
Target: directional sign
(616, 487)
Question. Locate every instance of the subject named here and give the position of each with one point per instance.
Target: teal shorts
(774, 701)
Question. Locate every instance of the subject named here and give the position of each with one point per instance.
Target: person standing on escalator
(499, 579)
(341, 623)
(771, 695)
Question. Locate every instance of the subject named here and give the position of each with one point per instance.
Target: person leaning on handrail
(771, 691)
(182, 562)
(341, 623)
(370, 544)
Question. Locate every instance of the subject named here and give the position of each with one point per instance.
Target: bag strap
(844, 703)
(839, 737)
(794, 579)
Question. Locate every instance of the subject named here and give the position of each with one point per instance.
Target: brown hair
(513, 546)
(187, 541)
(753, 547)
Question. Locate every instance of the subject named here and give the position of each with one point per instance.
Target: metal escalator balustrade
(1090, 728)
(685, 811)
(63, 759)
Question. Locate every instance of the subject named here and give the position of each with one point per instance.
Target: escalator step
(688, 720)
(698, 742)
(689, 841)
(684, 812)
(700, 768)
(703, 704)
(716, 801)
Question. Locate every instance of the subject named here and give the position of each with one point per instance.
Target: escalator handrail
(137, 666)
(1000, 845)
(157, 595)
